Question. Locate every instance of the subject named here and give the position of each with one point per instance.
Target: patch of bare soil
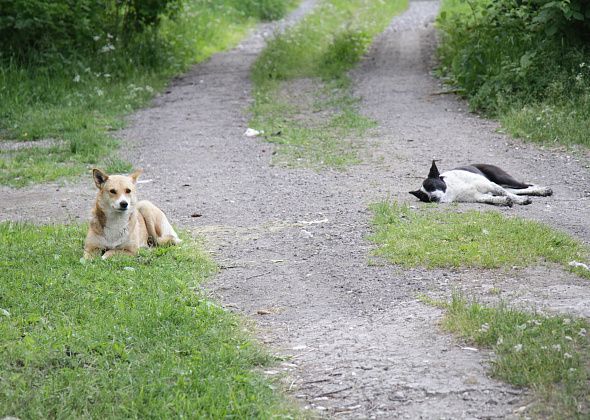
(292, 242)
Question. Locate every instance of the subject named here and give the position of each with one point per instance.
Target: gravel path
(292, 243)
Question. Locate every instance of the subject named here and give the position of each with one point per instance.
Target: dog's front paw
(509, 202)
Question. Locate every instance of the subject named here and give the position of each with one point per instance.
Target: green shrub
(262, 9)
(509, 53)
(41, 28)
(499, 49)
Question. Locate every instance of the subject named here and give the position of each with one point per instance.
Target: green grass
(549, 354)
(302, 92)
(566, 122)
(80, 99)
(431, 238)
(131, 337)
(525, 63)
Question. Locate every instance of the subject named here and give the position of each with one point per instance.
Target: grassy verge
(431, 238)
(302, 92)
(125, 338)
(525, 63)
(550, 355)
(75, 101)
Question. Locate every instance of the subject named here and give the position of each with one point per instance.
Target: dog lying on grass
(120, 224)
(477, 183)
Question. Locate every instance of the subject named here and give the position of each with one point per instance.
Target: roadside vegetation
(70, 72)
(525, 62)
(548, 354)
(123, 338)
(431, 238)
(303, 101)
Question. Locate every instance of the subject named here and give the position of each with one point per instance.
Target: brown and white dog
(120, 224)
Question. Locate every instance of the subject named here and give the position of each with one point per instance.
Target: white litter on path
(579, 264)
(250, 132)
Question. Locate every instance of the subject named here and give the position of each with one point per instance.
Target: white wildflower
(99, 92)
(96, 37)
(149, 89)
(582, 332)
(567, 355)
(521, 327)
(484, 327)
(77, 78)
(107, 48)
(500, 341)
(518, 348)
(567, 321)
(556, 347)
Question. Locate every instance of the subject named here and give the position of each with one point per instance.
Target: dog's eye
(113, 191)
(127, 191)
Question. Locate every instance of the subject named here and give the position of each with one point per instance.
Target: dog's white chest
(116, 232)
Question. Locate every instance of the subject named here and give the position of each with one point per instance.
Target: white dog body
(475, 183)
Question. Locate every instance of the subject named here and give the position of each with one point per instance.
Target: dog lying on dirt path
(120, 224)
(477, 183)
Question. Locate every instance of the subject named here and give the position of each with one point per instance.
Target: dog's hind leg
(167, 234)
(159, 229)
(161, 233)
(497, 190)
(535, 190)
(497, 200)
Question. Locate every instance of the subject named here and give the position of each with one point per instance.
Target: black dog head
(433, 187)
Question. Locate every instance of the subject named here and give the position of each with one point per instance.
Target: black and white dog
(478, 183)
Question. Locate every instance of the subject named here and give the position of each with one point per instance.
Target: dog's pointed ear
(433, 171)
(99, 177)
(136, 175)
(421, 195)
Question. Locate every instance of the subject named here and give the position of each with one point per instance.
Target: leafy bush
(505, 50)
(63, 26)
(262, 9)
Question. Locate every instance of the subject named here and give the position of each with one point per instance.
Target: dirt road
(292, 242)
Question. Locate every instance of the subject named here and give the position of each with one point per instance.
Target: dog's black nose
(123, 204)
